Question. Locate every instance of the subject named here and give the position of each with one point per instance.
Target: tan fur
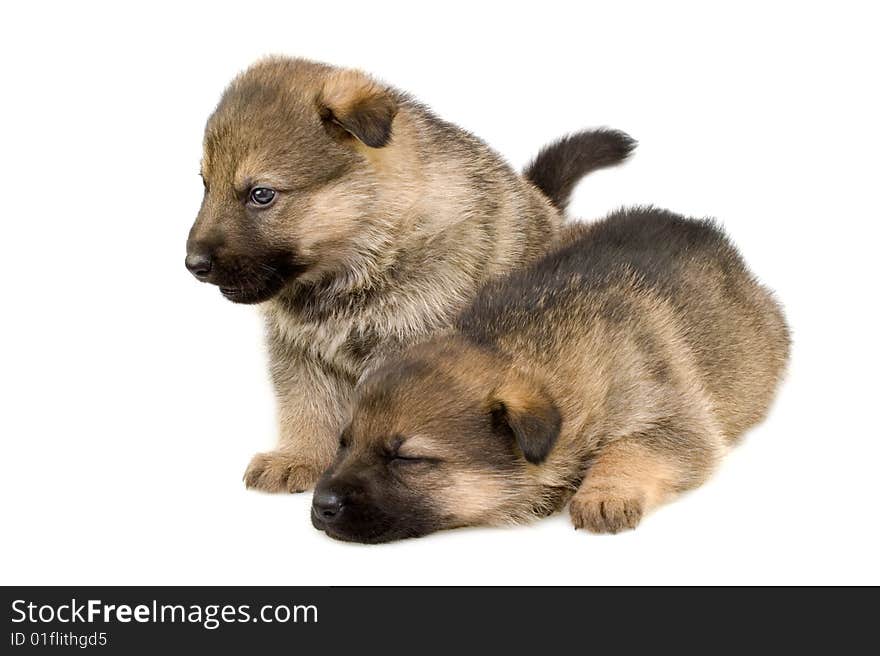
(616, 386)
(625, 481)
(395, 217)
(471, 497)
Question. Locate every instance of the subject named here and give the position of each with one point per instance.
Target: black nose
(199, 264)
(327, 505)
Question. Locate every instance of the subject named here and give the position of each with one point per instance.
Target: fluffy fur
(614, 373)
(382, 223)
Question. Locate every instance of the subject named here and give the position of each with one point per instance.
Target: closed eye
(401, 453)
(410, 460)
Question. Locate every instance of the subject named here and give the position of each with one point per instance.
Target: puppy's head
(288, 187)
(447, 435)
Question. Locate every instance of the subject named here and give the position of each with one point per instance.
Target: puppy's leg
(313, 407)
(633, 475)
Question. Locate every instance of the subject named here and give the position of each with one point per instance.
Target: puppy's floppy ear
(524, 408)
(352, 104)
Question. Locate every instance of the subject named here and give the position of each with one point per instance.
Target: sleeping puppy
(361, 223)
(614, 373)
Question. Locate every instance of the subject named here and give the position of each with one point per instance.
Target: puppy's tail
(560, 165)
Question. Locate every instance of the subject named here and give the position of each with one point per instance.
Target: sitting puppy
(614, 372)
(361, 223)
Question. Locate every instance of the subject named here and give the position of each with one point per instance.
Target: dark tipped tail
(560, 165)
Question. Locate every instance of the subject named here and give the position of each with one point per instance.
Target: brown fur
(384, 223)
(615, 372)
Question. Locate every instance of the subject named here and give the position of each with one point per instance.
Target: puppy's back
(728, 324)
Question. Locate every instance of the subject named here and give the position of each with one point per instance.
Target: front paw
(281, 471)
(606, 511)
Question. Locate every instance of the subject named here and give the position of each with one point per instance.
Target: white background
(133, 397)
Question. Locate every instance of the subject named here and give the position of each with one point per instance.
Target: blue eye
(262, 195)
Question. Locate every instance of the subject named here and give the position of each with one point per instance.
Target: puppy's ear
(353, 105)
(522, 407)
